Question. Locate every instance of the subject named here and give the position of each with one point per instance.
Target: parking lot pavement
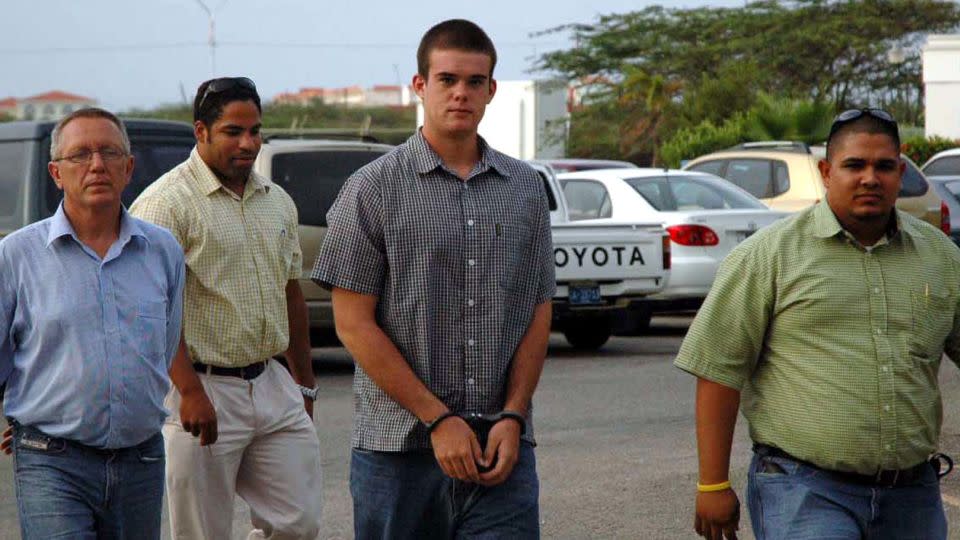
(616, 451)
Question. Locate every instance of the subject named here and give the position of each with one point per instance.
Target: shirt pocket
(151, 328)
(932, 315)
(512, 243)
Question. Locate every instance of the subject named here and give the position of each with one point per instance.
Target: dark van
(27, 192)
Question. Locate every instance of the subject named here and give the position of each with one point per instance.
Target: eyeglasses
(84, 156)
(226, 83)
(850, 115)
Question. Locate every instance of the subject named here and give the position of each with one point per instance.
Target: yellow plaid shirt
(240, 254)
(835, 347)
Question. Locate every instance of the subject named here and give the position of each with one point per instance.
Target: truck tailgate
(608, 252)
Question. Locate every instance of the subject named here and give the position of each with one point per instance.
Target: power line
(263, 44)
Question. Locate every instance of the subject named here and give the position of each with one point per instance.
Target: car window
(586, 199)
(14, 157)
(954, 188)
(752, 175)
(153, 159)
(781, 178)
(714, 167)
(913, 183)
(944, 166)
(313, 179)
(655, 191)
(691, 193)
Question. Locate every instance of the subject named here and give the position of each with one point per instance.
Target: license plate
(585, 295)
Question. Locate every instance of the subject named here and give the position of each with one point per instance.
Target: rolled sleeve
(725, 340)
(353, 254)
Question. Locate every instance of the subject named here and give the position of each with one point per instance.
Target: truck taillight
(945, 218)
(693, 235)
(666, 252)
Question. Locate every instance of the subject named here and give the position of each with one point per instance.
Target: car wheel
(588, 336)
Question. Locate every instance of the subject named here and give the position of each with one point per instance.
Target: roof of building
(59, 96)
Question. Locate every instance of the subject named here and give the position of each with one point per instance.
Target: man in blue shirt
(90, 314)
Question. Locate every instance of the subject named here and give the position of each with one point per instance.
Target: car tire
(588, 335)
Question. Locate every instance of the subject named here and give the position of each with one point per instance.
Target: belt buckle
(884, 479)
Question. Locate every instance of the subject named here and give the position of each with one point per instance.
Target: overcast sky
(138, 53)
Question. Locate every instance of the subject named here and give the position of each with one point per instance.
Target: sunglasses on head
(226, 83)
(850, 115)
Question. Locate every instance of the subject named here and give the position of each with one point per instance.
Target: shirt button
(470, 380)
(884, 369)
(470, 342)
(886, 408)
(470, 222)
(470, 302)
(876, 290)
(889, 447)
(471, 262)
(879, 331)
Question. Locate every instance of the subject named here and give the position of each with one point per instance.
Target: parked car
(784, 175)
(705, 217)
(29, 193)
(601, 268)
(945, 163)
(580, 164)
(948, 188)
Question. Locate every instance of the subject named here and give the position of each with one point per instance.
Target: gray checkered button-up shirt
(458, 267)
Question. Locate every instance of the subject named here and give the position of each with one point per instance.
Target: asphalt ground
(616, 455)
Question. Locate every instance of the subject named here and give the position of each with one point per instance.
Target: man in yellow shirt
(242, 306)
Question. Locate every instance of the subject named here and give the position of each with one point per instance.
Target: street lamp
(211, 37)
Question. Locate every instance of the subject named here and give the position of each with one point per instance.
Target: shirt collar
(60, 226)
(209, 183)
(826, 224)
(426, 159)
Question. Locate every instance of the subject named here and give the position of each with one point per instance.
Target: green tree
(784, 119)
(825, 51)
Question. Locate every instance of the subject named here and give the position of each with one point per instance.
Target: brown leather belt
(246, 373)
(884, 478)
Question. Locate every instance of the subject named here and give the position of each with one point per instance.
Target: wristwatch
(309, 392)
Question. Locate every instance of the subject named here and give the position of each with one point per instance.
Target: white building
(941, 80)
(52, 105)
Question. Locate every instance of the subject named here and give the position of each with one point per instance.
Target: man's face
(863, 176)
(99, 182)
(456, 91)
(232, 143)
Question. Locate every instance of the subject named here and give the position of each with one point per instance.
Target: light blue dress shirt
(86, 343)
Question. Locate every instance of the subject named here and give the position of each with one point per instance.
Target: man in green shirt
(828, 327)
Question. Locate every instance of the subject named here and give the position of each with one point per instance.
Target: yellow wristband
(706, 488)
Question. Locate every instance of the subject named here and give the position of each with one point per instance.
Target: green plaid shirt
(835, 347)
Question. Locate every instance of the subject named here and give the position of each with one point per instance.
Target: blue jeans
(406, 495)
(803, 502)
(67, 490)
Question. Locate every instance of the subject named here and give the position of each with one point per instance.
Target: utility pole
(211, 37)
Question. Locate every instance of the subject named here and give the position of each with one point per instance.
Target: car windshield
(944, 166)
(673, 193)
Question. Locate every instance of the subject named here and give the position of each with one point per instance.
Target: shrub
(920, 148)
(702, 139)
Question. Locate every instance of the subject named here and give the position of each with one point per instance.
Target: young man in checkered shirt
(441, 263)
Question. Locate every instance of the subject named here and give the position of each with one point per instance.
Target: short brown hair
(87, 112)
(459, 34)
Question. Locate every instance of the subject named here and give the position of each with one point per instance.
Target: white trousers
(267, 452)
